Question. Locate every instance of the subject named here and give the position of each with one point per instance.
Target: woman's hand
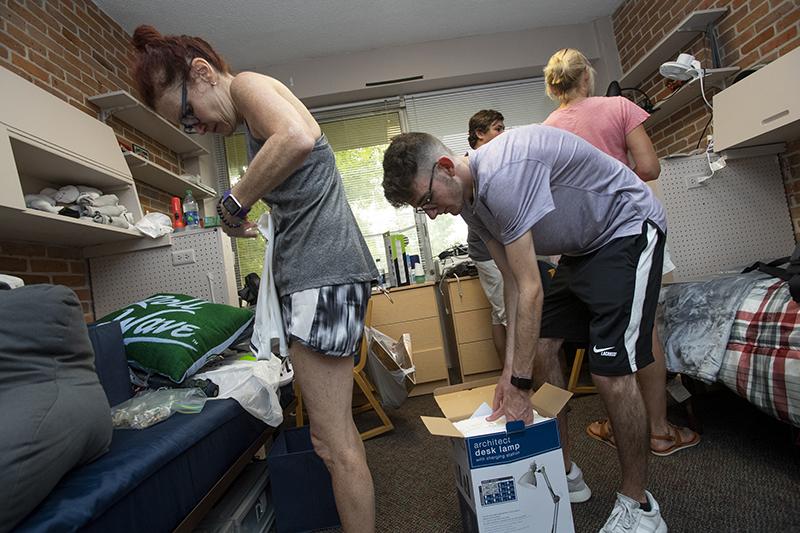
(247, 229)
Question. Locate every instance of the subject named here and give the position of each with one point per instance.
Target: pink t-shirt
(603, 121)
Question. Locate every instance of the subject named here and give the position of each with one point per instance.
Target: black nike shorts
(608, 299)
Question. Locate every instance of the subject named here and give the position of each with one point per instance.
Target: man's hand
(512, 402)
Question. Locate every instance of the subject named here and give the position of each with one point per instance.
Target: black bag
(790, 274)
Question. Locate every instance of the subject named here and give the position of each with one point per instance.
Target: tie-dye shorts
(329, 320)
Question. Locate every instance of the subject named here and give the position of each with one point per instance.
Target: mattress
(150, 479)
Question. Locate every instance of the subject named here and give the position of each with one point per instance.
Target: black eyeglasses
(188, 119)
(427, 200)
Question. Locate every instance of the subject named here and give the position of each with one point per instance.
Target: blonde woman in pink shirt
(614, 125)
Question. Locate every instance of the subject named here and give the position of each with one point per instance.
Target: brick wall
(38, 263)
(752, 32)
(73, 50)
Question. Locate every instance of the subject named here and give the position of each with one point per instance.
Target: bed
(741, 331)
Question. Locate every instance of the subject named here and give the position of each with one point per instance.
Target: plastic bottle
(381, 272)
(190, 213)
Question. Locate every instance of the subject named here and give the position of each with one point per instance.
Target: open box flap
(440, 426)
(549, 400)
(458, 402)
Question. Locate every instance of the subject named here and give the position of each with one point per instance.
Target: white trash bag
(268, 325)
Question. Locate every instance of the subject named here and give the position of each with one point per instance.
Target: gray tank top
(317, 240)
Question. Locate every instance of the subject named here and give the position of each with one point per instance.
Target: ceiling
(254, 34)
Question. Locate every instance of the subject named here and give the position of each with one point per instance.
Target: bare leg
(653, 383)
(327, 385)
(499, 338)
(625, 408)
(548, 367)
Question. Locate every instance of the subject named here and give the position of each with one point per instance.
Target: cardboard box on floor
(507, 481)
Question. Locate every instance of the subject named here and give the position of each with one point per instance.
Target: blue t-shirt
(573, 197)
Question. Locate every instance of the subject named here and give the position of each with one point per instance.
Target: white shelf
(159, 177)
(671, 45)
(41, 226)
(124, 106)
(49, 163)
(688, 93)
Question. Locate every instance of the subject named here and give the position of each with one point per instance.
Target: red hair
(161, 60)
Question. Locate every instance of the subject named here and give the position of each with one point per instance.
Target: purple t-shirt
(573, 197)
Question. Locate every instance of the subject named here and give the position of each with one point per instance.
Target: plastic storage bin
(246, 507)
(302, 492)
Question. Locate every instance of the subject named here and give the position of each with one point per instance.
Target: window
(359, 143)
(446, 114)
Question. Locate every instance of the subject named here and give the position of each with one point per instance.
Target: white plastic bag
(155, 225)
(254, 384)
(268, 323)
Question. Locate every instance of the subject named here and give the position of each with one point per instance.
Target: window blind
(446, 114)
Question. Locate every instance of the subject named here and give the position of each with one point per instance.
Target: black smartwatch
(522, 383)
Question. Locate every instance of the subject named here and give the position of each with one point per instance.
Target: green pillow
(174, 335)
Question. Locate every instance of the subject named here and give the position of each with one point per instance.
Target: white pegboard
(121, 279)
(737, 217)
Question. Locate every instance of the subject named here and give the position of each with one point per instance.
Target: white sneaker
(579, 491)
(628, 517)
(287, 372)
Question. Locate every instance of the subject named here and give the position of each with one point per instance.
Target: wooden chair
(575, 374)
(363, 384)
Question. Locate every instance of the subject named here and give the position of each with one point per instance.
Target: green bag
(174, 334)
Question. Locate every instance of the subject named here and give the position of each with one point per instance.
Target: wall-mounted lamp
(686, 68)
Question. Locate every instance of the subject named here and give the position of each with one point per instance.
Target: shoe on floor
(676, 441)
(628, 517)
(601, 430)
(579, 491)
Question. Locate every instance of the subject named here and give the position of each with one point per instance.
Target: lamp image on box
(528, 479)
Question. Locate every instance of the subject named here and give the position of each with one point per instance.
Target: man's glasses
(427, 200)
(188, 119)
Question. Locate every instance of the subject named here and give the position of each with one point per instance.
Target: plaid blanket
(762, 357)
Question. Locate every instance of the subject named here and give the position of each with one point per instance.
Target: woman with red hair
(323, 295)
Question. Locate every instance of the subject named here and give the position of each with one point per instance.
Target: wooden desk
(415, 311)
(468, 319)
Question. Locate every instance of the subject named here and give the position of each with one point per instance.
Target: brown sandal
(601, 430)
(677, 441)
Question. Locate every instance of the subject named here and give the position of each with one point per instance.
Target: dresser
(468, 325)
(413, 309)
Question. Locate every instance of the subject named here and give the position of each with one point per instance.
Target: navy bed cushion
(110, 361)
(150, 479)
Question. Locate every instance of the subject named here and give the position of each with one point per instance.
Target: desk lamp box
(508, 479)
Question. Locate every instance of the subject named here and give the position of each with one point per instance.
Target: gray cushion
(55, 415)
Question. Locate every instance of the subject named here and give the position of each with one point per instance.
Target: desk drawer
(425, 333)
(430, 365)
(472, 295)
(409, 304)
(477, 357)
(473, 326)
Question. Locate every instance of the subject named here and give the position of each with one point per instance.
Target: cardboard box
(508, 481)
(302, 492)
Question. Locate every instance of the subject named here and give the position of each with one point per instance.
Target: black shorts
(607, 299)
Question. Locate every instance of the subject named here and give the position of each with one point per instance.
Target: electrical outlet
(183, 257)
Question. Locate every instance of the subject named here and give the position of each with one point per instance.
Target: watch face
(230, 205)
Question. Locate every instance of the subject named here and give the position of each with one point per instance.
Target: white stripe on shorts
(639, 292)
(304, 309)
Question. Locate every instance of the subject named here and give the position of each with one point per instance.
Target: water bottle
(190, 213)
